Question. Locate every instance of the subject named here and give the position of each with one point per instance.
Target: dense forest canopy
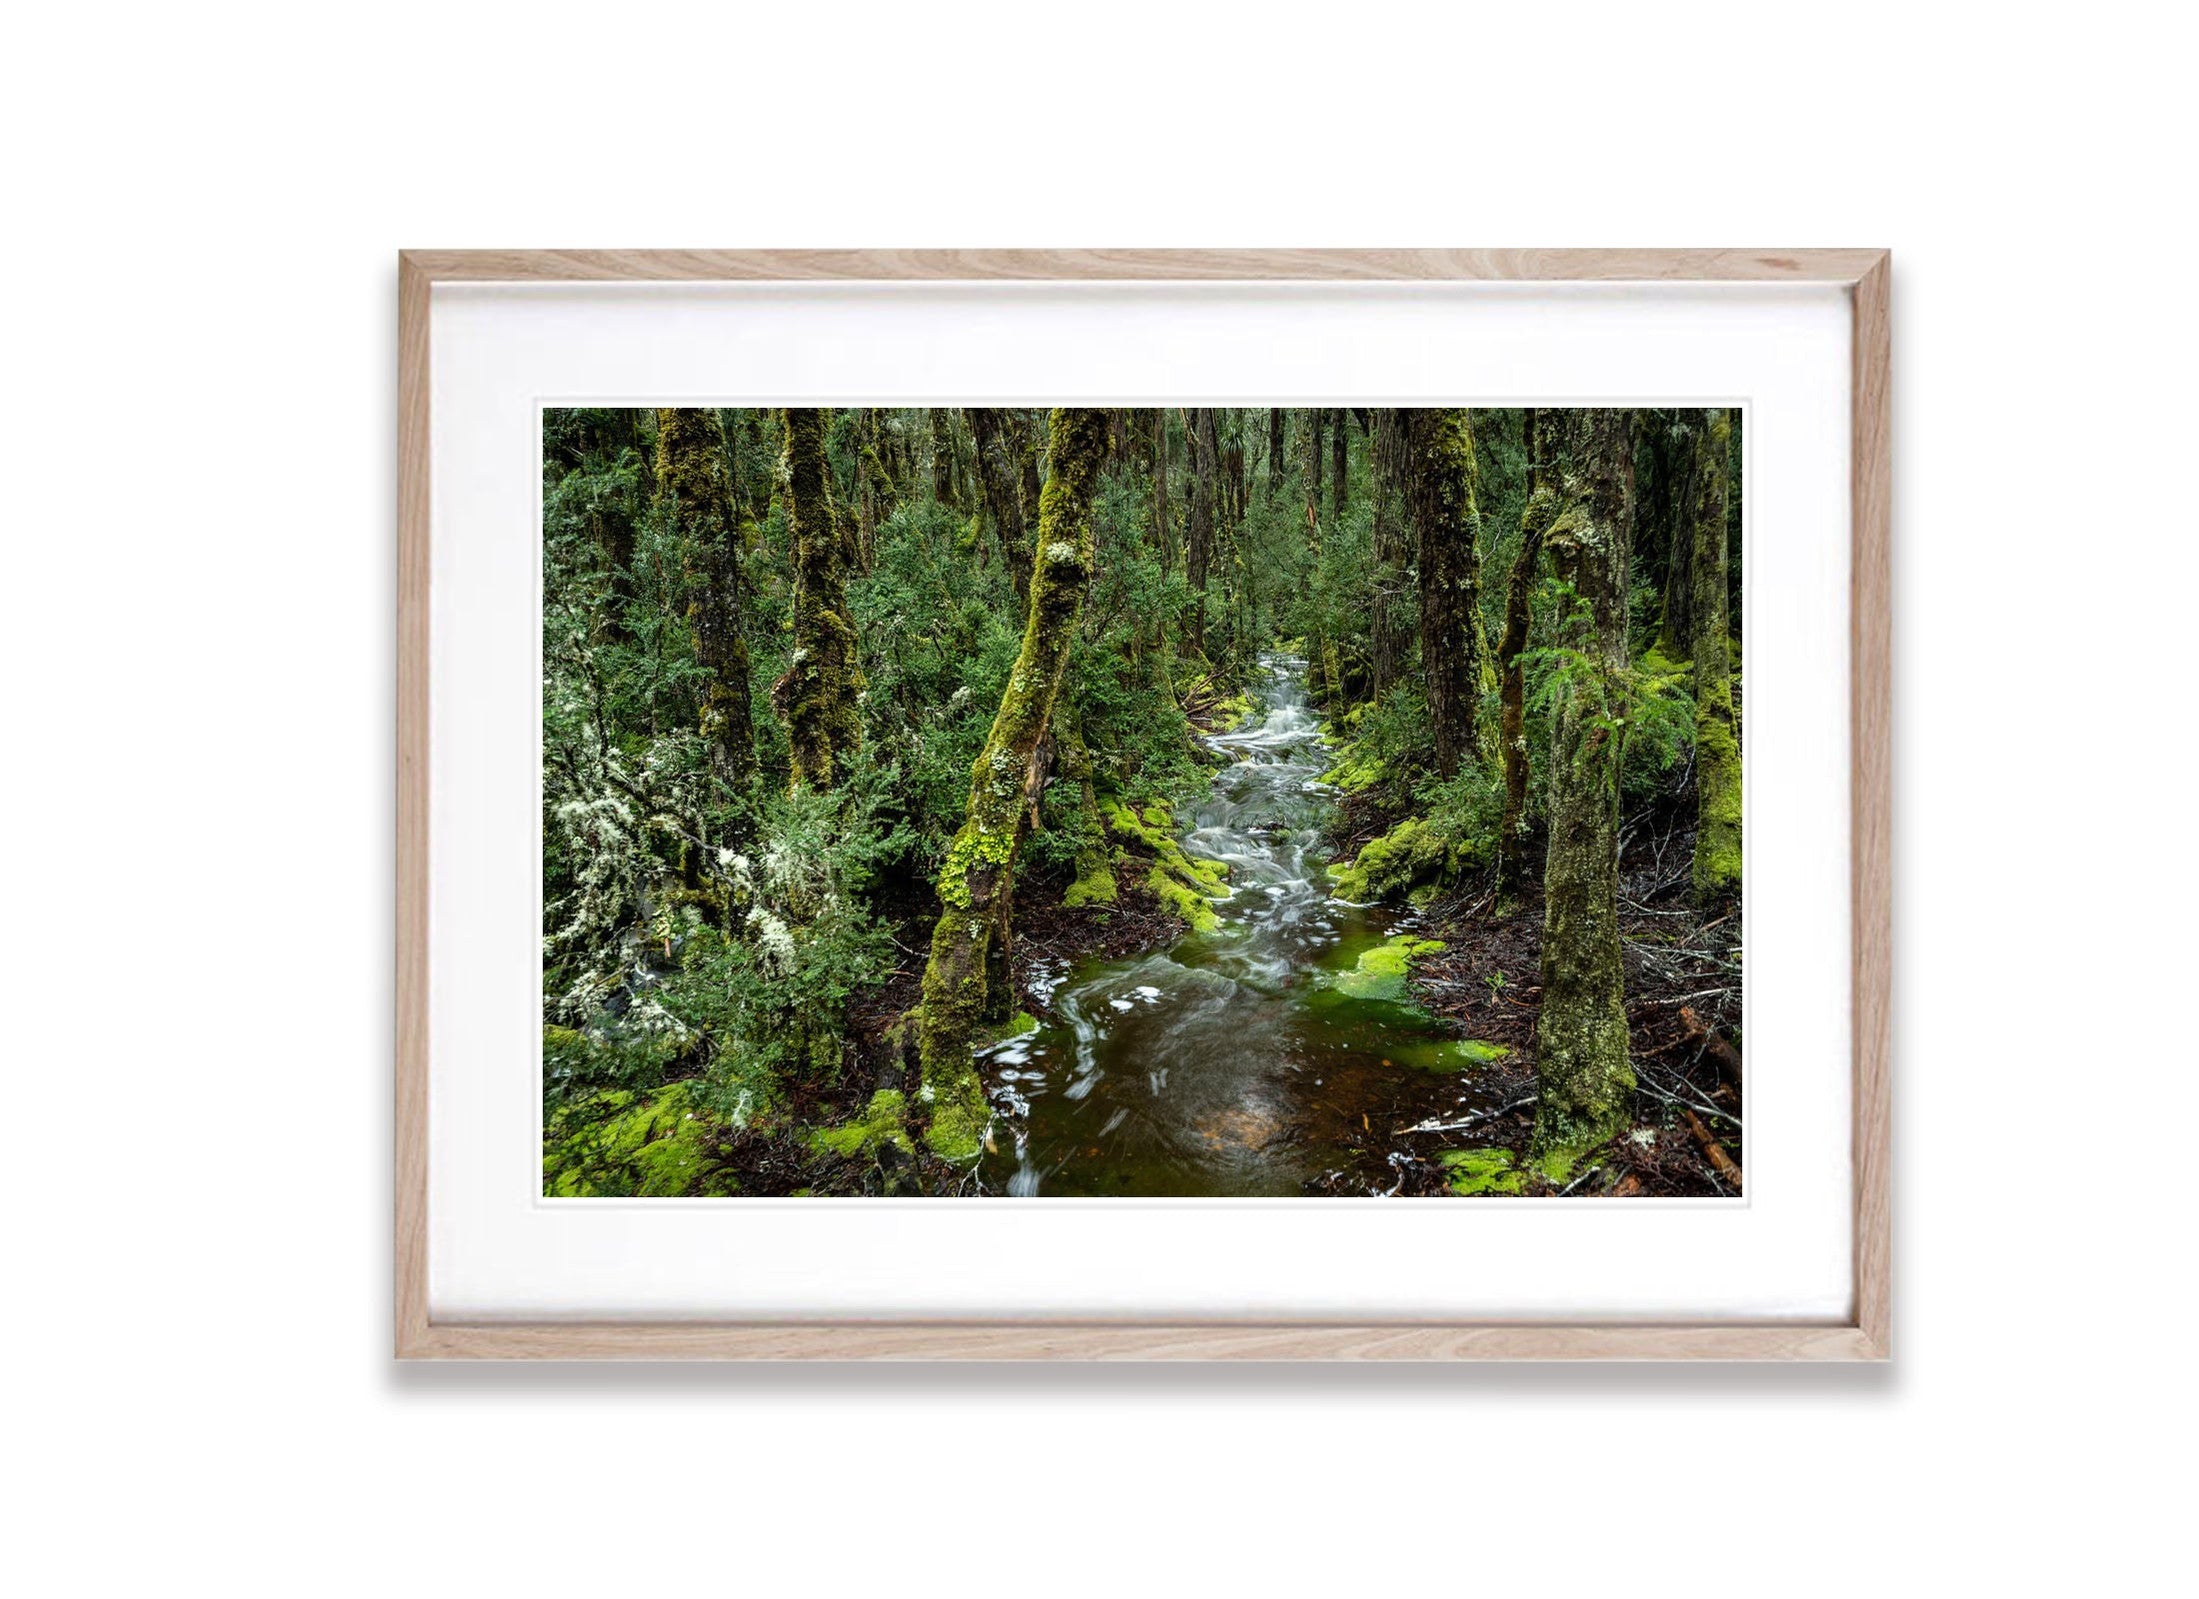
(1168, 800)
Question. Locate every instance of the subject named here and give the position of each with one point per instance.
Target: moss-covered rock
(1414, 855)
(1381, 971)
(1184, 883)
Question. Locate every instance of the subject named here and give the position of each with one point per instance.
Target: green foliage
(767, 991)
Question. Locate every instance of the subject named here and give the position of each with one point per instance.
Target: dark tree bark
(1199, 542)
(817, 694)
(1000, 482)
(1390, 626)
(1446, 529)
(979, 876)
(1164, 531)
(693, 486)
(1275, 461)
(942, 429)
(1584, 1083)
(1519, 595)
(1340, 468)
(1717, 739)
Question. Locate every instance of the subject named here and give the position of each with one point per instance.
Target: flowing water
(1228, 1064)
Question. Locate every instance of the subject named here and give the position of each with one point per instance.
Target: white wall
(206, 202)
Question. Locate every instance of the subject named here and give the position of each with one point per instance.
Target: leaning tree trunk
(1519, 595)
(1717, 744)
(1446, 528)
(1584, 1083)
(692, 484)
(817, 694)
(980, 870)
(999, 477)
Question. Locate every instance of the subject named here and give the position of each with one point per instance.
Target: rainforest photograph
(1142, 802)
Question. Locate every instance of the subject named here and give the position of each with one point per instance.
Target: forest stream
(1236, 1062)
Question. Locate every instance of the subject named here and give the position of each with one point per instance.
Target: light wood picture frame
(1864, 1335)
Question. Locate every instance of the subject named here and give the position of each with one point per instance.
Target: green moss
(1180, 881)
(879, 1125)
(1412, 855)
(650, 1148)
(1096, 887)
(1458, 1055)
(1355, 773)
(1381, 971)
(1482, 1171)
(1187, 903)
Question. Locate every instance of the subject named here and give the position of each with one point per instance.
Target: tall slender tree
(1717, 741)
(694, 489)
(1446, 532)
(979, 876)
(1199, 537)
(1584, 1082)
(817, 696)
(1340, 466)
(1390, 627)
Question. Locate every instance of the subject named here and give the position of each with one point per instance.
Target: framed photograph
(1143, 804)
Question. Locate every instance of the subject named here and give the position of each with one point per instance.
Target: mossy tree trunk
(1667, 505)
(1339, 467)
(817, 696)
(942, 426)
(980, 867)
(1199, 539)
(1519, 598)
(999, 477)
(1320, 656)
(1717, 740)
(694, 487)
(1390, 626)
(1277, 465)
(1446, 527)
(1164, 531)
(1584, 1083)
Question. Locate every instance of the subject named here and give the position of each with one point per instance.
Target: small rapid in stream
(1228, 1064)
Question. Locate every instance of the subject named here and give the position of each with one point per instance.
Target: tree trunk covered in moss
(980, 867)
(999, 477)
(1446, 525)
(1276, 463)
(1320, 654)
(817, 694)
(1164, 531)
(1199, 540)
(1390, 626)
(1668, 512)
(942, 426)
(1519, 598)
(1717, 741)
(1584, 1083)
(693, 486)
(1339, 467)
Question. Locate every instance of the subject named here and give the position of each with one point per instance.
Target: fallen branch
(1474, 1120)
(1707, 1042)
(1715, 1152)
